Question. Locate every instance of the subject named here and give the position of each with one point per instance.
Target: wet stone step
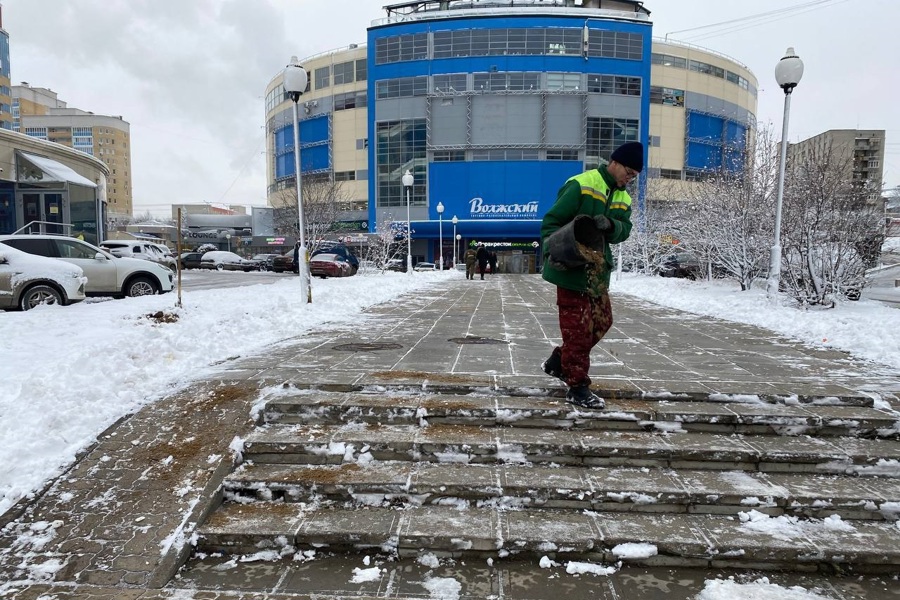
(548, 412)
(749, 540)
(602, 489)
(328, 444)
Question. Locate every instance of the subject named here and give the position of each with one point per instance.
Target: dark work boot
(581, 395)
(553, 365)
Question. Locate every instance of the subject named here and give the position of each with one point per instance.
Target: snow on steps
(752, 540)
(603, 489)
(728, 414)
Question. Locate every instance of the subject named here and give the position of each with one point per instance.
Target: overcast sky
(190, 75)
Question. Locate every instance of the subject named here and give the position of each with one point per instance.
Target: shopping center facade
(492, 105)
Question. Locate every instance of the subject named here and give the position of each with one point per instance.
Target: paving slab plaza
(121, 521)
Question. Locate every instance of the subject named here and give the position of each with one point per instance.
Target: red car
(330, 265)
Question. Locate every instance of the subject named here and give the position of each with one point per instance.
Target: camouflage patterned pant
(583, 321)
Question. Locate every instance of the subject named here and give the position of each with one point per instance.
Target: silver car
(107, 275)
(27, 281)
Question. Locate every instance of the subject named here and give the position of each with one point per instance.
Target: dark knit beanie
(630, 155)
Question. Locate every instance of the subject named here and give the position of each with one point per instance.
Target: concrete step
(751, 540)
(331, 444)
(602, 489)
(751, 416)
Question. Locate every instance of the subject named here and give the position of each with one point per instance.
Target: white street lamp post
(456, 245)
(295, 80)
(454, 220)
(440, 212)
(788, 72)
(407, 183)
(228, 239)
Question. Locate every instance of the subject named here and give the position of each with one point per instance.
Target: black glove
(603, 223)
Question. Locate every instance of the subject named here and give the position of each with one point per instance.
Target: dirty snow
(760, 589)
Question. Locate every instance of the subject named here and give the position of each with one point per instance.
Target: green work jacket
(591, 193)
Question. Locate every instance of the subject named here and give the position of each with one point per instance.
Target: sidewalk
(120, 522)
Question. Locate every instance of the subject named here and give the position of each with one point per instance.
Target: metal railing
(42, 230)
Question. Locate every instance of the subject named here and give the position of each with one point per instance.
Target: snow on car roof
(38, 266)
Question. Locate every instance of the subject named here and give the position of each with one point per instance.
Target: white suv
(107, 275)
(139, 249)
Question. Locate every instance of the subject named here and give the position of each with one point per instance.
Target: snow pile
(788, 528)
(365, 575)
(635, 551)
(760, 589)
(582, 568)
(442, 588)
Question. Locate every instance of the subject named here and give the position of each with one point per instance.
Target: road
(881, 285)
(197, 279)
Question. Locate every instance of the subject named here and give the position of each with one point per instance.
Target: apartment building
(860, 152)
(39, 113)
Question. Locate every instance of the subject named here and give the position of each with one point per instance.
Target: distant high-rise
(860, 151)
(40, 114)
(6, 112)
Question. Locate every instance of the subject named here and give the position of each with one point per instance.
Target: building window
(362, 70)
(453, 82)
(666, 96)
(449, 156)
(323, 77)
(562, 154)
(343, 73)
(562, 41)
(400, 146)
(670, 174)
(401, 48)
(345, 176)
(563, 81)
(679, 62)
(350, 100)
(508, 154)
(605, 134)
(614, 84)
(404, 87)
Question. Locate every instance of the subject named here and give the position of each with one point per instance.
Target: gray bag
(562, 246)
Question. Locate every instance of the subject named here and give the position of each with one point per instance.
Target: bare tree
(645, 249)
(388, 242)
(323, 200)
(829, 229)
(728, 222)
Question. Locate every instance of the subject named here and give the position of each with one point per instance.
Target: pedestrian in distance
(482, 255)
(296, 267)
(492, 260)
(470, 258)
(592, 211)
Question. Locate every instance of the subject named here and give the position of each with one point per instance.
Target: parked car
(222, 260)
(27, 281)
(425, 266)
(396, 264)
(138, 249)
(340, 250)
(681, 264)
(330, 265)
(284, 262)
(107, 275)
(264, 261)
(190, 260)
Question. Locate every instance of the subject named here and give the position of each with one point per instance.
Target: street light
(228, 239)
(407, 183)
(440, 211)
(295, 80)
(458, 237)
(454, 220)
(788, 72)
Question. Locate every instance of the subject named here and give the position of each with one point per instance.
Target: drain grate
(474, 339)
(367, 347)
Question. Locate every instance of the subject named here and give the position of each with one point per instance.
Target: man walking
(582, 291)
(470, 259)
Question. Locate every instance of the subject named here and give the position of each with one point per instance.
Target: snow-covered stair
(714, 482)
